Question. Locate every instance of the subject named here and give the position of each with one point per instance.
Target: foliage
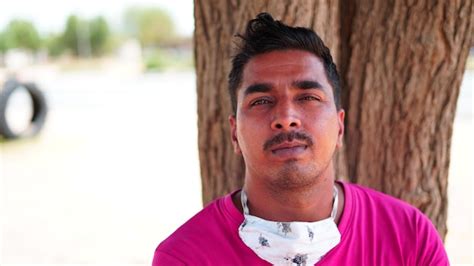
(20, 34)
(85, 38)
(152, 26)
(54, 44)
(99, 34)
(70, 37)
(157, 59)
(3, 45)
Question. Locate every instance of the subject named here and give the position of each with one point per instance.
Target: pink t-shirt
(376, 229)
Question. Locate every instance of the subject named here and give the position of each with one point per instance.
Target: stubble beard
(294, 177)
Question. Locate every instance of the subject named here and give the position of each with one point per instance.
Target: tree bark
(401, 63)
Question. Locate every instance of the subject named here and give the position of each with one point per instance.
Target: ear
(233, 134)
(340, 133)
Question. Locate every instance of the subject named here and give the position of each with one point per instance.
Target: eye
(260, 102)
(310, 98)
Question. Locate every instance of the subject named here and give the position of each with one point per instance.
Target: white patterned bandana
(289, 243)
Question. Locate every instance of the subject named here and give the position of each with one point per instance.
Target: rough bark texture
(401, 62)
(403, 66)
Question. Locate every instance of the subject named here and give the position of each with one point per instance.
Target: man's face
(286, 126)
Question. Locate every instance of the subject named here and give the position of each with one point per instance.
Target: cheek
(248, 137)
(326, 129)
(251, 136)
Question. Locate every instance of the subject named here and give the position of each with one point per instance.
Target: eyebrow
(258, 87)
(266, 87)
(307, 84)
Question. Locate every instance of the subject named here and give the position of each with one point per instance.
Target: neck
(308, 204)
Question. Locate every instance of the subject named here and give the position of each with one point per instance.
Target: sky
(50, 15)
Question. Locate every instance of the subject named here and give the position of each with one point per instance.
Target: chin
(295, 177)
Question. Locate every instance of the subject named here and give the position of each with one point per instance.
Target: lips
(289, 149)
(288, 140)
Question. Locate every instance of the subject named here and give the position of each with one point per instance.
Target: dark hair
(264, 34)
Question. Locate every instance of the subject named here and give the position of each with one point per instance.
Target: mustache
(287, 136)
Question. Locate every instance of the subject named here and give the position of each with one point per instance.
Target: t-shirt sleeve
(430, 248)
(162, 258)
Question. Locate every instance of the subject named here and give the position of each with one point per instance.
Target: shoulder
(199, 225)
(370, 200)
(201, 233)
(397, 222)
(387, 210)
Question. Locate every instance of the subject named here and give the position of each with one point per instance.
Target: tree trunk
(401, 64)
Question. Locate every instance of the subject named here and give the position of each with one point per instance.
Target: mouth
(289, 149)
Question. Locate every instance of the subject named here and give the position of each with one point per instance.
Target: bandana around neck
(289, 243)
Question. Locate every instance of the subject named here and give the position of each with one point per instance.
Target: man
(287, 124)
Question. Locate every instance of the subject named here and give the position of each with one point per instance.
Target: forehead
(283, 67)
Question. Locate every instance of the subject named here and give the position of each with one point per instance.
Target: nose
(285, 118)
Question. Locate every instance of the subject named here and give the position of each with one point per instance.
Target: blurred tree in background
(162, 46)
(85, 38)
(82, 37)
(99, 35)
(54, 44)
(20, 34)
(70, 37)
(152, 26)
(3, 45)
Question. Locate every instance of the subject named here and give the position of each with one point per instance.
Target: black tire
(39, 109)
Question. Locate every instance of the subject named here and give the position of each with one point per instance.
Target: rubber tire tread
(40, 109)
